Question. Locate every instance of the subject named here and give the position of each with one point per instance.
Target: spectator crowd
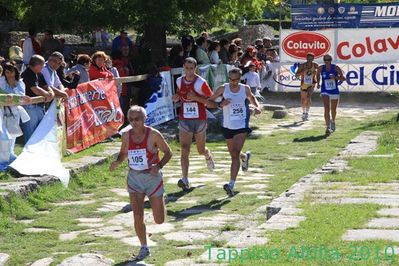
(44, 67)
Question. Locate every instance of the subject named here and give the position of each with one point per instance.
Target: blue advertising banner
(315, 17)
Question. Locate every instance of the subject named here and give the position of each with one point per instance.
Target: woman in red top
(97, 69)
(250, 55)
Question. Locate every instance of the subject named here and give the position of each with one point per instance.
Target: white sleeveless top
(236, 114)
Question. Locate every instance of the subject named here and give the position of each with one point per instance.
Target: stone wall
(249, 34)
(73, 42)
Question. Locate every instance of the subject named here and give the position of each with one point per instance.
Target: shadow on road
(311, 138)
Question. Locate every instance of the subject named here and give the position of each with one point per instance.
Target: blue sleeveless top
(328, 85)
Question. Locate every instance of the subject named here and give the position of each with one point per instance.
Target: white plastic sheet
(41, 155)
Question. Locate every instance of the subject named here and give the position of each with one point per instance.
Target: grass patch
(228, 227)
(324, 227)
(92, 151)
(374, 169)
(368, 170)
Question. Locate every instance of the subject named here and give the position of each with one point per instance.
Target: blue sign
(326, 16)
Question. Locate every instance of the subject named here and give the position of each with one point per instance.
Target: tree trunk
(155, 37)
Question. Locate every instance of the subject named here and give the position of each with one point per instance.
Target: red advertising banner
(93, 114)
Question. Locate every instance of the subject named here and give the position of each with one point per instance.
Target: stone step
(3, 258)
(282, 222)
(384, 223)
(371, 234)
(358, 195)
(381, 201)
(389, 212)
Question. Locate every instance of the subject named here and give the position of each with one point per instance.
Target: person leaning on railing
(35, 86)
(11, 84)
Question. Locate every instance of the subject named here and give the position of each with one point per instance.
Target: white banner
(160, 105)
(359, 77)
(41, 155)
(368, 45)
(350, 46)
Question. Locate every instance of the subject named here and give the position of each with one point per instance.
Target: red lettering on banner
(383, 47)
(394, 45)
(361, 48)
(339, 50)
(370, 47)
(368, 42)
(93, 114)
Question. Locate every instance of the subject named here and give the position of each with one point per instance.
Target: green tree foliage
(154, 18)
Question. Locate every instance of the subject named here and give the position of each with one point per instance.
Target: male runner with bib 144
(192, 118)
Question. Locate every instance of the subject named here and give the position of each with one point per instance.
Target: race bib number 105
(138, 159)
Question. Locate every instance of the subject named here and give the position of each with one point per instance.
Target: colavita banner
(296, 44)
(93, 114)
(359, 77)
(323, 16)
(344, 45)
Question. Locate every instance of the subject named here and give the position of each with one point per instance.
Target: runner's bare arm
(299, 71)
(252, 99)
(163, 146)
(201, 99)
(123, 152)
(318, 76)
(340, 75)
(208, 101)
(219, 92)
(176, 97)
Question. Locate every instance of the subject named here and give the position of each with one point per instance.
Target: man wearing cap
(307, 71)
(49, 72)
(121, 40)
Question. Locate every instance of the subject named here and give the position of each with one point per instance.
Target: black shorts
(230, 133)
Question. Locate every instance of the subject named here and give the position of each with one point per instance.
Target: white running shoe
(210, 163)
(143, 253)
(245, 163)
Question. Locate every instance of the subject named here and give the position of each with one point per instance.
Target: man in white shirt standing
(49, 72)
(28, 47)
